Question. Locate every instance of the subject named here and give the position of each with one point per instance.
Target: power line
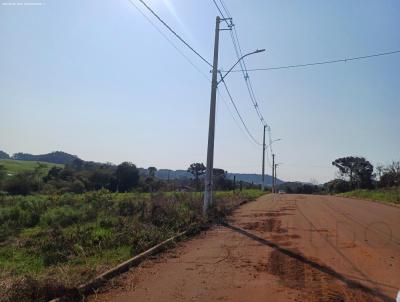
(170, 42)
(225, 7)
(219, 10)
(242, 63)
(249, 86)
(233, 117)
(173, 32)
(240, 116)
(345, 60)
(222, 14)
(190, 62)
(239, 54)
(238, 51)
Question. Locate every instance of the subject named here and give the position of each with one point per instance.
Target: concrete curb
(100, 280)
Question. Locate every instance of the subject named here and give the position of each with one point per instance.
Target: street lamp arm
(234, 65)
(273, 141)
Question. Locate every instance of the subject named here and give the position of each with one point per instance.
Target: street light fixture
(230, 69)
(273, 141)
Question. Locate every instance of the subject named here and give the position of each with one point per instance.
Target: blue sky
(94, 78)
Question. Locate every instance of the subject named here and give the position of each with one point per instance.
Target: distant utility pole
(273, 173)
(263, 161)
(211, 129)
(276, 165)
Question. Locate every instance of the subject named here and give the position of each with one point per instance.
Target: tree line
(358, 173)
(353, 173)
(82, 176)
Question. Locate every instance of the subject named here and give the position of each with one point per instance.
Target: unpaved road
(278, 248)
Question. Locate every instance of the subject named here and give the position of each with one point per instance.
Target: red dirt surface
(278, 248)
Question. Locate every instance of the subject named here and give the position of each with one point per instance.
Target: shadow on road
(322, 268)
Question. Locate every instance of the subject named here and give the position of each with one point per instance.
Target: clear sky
(95, 79)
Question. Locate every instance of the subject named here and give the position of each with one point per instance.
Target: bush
(107, 222)
(62, 216)
(129, 207)
(102, 199)
(54, 247)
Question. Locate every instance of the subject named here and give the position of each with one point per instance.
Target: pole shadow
(322, 268)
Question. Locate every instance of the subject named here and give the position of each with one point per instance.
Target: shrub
(129, 207)
(62, 216)
(107, 222)
(54, 247)
(101, 199)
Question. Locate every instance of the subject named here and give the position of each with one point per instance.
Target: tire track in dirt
(376, 287)
(294, 274)
(391, 237)
(315, 285)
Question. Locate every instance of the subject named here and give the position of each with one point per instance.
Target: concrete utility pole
(276, 165)
(263, 161)
(211, 128)
(273, 173)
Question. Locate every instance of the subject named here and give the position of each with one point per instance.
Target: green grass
(387, 195)
(17, 166)
(19, 261)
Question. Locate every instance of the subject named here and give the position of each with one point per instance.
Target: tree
(23, 183)
(391, 175)
(4, 155)
(77, 164)
(53, 173)
(337, 186)
(3, 174)
(127, 176)
(220, 180)
(380, 169)
(197, 169)
(357, 169)
(152, 171)
(101, 178)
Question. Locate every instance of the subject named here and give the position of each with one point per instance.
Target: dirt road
(279, 248)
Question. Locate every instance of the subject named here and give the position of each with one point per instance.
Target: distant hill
(57, 157)
(254, 178)
(4, 155)
(13, 166)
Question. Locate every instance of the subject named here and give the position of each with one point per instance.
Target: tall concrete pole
(273, 173)
(263, 161)
(211, 129)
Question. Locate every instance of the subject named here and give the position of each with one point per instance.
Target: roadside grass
(14, 167)
(387, 195)
(52, 243)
